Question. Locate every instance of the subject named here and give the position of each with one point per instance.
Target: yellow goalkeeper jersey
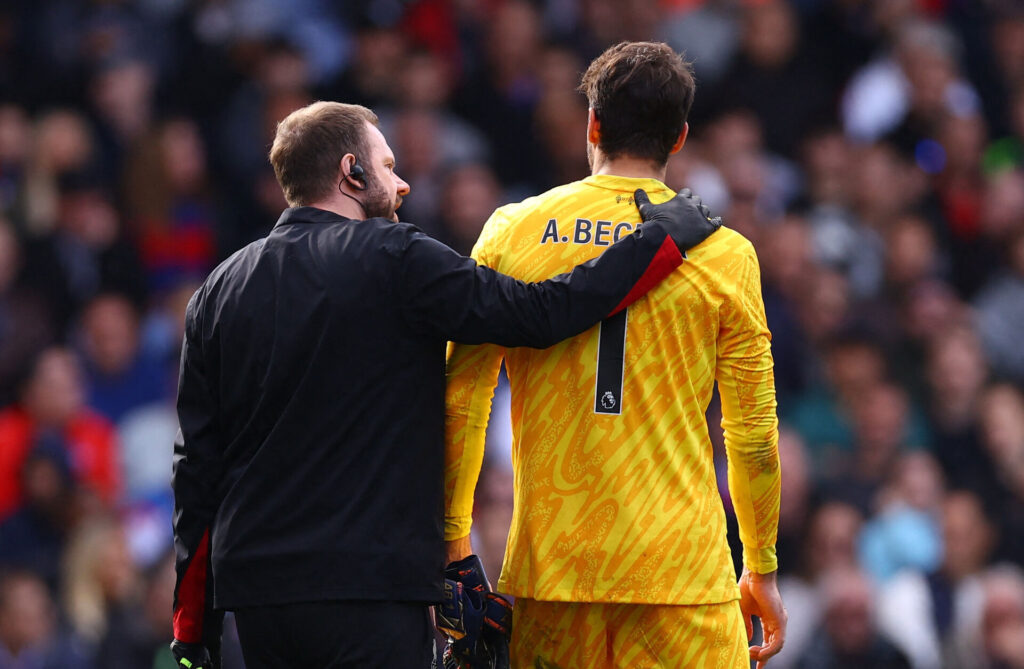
(615, 491)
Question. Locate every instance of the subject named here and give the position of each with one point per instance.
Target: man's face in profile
(384, 188)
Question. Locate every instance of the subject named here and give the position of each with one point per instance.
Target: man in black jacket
(308, 470)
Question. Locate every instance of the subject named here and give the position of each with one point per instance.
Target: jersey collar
(627, 184)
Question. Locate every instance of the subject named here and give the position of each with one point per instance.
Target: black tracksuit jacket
(310, 460)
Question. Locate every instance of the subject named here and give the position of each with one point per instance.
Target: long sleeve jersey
(614, 480)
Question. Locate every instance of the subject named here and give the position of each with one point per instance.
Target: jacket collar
(308, 215)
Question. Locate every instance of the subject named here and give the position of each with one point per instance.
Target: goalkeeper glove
(477, 622)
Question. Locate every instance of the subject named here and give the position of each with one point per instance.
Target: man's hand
(686, 219)
(759, 596)
(190, 655)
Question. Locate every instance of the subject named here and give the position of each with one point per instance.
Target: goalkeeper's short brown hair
(641, 92)
(309, 145)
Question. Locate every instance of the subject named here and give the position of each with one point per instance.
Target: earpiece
(358, 174)
(356, 178)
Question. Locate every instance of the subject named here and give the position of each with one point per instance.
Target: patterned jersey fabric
(615, 490)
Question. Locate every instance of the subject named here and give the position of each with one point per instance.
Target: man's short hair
(641, 92)
(309, 145)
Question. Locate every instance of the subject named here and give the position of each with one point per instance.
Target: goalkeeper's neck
(626, 166)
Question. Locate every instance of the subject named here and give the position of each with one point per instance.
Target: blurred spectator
(1003, 618)
(52, 411)
(849, 637)
(786, 260)
(29, 632)
(560, 121)
(501, 98)
(956, 160)
(706, 33)
(1007, 38)
(25, 321)
(827, 158)
(145, 431)
(927, 309)
(882, 430)
(852, 365)
(956, 374)
(848, 248)
(426, 141)
(907, 91)
(140, 633)
(120, 375)
(121, 93)
(1000, 314)
(173, 213)
(1002, 430)
(278, 83)
(470, 196)
(825, 307)
(830, 543)
(15, 145)
(885, 185)
(758, 183)
(86, 253)
(904, 532)
(843, 34)
(912, 253)
(62, 144)
(796, 497)
(376, 65)
(100, 581)
(34, 536)
(776, 79)
(982, 251)
(934, 616)
(605, 22)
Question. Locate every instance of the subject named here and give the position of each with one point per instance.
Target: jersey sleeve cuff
(760, 560)
(457, 527)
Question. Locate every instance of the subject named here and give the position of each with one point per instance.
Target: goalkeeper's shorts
(576, 635)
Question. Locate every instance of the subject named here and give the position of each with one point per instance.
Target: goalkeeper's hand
(191, 655)
(686, 219)
(477, 622)
(759, 596)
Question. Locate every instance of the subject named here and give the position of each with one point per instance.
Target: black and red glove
(477, 622)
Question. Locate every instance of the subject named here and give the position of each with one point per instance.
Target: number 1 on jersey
(611, 355)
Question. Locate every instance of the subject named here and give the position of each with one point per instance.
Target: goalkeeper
(617, 554)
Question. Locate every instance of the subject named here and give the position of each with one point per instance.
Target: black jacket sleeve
(449, 296)
(197, 471)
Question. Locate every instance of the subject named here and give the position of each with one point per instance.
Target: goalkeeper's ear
(681, 139)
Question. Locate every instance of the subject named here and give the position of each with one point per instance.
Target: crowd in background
(872, 150)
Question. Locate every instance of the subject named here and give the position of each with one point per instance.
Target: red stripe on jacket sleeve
(665, 260)
(191, 604)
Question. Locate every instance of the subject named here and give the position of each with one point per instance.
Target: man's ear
(682, 139)
(593, 127)
(345, 166)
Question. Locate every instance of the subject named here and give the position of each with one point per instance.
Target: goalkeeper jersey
(615, 489)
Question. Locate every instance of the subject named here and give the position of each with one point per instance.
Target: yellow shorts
(572, 635)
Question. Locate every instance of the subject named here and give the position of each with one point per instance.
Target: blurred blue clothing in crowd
(900, 537)
(114, 395)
